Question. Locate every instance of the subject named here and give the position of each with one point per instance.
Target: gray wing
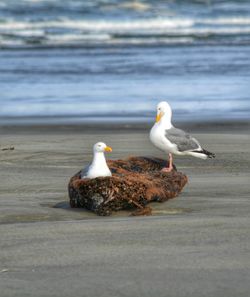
(183, 140)
(85, 171)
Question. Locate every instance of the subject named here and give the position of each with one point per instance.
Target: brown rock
(135, 182)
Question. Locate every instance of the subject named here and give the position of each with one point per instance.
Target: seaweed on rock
(134, 183)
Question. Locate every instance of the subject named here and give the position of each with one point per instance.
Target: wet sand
(195, 245)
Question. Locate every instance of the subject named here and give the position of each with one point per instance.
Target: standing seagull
(98, 167)
(172, 140)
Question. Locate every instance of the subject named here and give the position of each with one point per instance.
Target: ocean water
(111, 60)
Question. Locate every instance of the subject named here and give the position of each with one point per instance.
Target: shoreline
(196, 126)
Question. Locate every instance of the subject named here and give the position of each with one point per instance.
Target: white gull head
(164, 114)
(98, 167)
(164, 111)
(101, 147)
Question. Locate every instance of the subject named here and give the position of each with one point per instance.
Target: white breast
(98, 167)
(96, 171)
(157, 137)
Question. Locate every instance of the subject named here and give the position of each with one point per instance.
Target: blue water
(107, 60)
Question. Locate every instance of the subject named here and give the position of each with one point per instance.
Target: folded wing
(182, 140)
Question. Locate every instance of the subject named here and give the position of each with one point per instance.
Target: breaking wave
(136, 31)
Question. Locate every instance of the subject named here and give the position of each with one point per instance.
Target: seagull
(172, 140)
(98, 167)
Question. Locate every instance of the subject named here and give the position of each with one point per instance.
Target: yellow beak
(108, 149)
(158, 117)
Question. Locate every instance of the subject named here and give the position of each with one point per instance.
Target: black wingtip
(205, 152)
(209, 154)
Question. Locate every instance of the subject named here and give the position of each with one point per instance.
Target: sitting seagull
(172, 140)
(98, 167)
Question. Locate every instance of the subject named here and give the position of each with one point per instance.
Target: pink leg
(170, 164)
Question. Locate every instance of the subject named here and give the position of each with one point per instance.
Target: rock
(135, 182)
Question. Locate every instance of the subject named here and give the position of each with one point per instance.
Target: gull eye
(99, 145)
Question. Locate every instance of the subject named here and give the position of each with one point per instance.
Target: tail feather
(205, 152)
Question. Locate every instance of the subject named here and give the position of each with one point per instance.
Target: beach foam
(132, 31)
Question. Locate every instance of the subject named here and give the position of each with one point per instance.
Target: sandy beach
(73, 73)
(195, 245)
